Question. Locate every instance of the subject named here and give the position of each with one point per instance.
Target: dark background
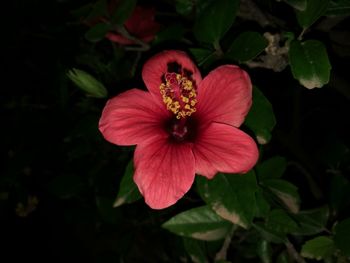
(51, 148)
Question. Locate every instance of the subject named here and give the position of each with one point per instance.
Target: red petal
(132, 117)
(164, 171)
(224, 95)
(157, 66)
(224, 148)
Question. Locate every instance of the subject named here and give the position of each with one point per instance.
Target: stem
(136, 61)
(222, 254)
(293, 253)
(142, 45)
(315, 190)
(300, 37)
(218, 49)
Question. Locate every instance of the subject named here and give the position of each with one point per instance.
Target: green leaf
(342, 236)
(271, 168)
(318, 248)
(246, 46)
(128, 191)
(261, 119)
(297, 4)
(173, 32)
(200, 223)
(279, 221)
(215, 20)
(338, 8)
(314, 10)
(264, 251)
(231, 196)
(262, 206)
(97, 32)
(196, 250)
(202, 55)
(309, 63)
(270, 234)
(87, 83)
(286, 192)
(123, 11)
(184, 7)
(311, 222)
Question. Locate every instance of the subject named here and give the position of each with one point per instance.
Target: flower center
(179, 130)
(179, 95)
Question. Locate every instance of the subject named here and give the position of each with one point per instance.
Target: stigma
(179, 95)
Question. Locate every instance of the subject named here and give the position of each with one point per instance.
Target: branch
(276, 57)
(222, 254)
(293, 253)
(142, 45)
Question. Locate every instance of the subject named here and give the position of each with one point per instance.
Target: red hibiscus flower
(140, 24)
(182, 126)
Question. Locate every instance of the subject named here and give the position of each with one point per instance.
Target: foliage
(69, 194)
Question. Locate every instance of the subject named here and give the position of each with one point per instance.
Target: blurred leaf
(261, 119)
(184, 7)
(231, 196)
(285, 191)
(173, 32)
(311, 222)
(338, 8)
(278, 220)
(98, 9)
(334, 152)
(284, 257)
(123, 11)
(83, 11)
(318, 248)
(246, 46)
(196, 250)
(270, 235)
(202, 55)
(309, 63)
(106, 210)
(128, 191)
(97, 32)
(264, 251)
(342, 236)
(87, 83)
(262, 206)
(200, 223)
(297, 4)
(66, 186)
(215, 20)
(314, 10)
(271, 168)
(339, 195)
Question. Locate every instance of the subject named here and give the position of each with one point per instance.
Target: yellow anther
(185, 99)
(178, 94)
